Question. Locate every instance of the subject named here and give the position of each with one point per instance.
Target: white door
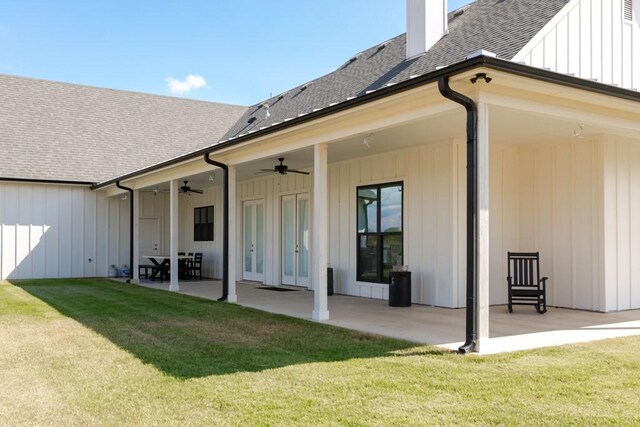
(149, 238)
(296, 240)
(253, 240)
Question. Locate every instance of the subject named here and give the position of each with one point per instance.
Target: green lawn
(78, 352)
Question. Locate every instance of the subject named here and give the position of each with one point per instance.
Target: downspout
(472, 207)
(225, 227)
(130, 190)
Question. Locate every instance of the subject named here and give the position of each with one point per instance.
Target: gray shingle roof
(60, 131)
(500, 26)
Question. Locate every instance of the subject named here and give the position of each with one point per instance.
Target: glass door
(295, 240)
(253, 240)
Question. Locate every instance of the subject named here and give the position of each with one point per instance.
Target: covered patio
(522, 330)
(554, 167)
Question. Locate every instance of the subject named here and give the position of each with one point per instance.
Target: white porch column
(320, 242)
(136, 236)
(173, 235)
(482, 290)
(232, 297)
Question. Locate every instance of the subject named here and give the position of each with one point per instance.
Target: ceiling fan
(188, 190)
(282, 169)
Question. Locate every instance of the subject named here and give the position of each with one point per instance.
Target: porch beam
(621, 124)
(173, 235)
(231, 223)
(482, 254)
(320, 240)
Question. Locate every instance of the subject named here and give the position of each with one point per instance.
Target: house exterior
(555, 125)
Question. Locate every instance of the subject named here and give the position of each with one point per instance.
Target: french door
(295, 240)
(253, 240)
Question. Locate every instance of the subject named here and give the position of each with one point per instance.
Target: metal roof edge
(47, 181)
(456, 68)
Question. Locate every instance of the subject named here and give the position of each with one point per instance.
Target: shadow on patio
(189, 337)
(523, 329)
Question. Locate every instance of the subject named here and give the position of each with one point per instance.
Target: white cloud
(192, 81)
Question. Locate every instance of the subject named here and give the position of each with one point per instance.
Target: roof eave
(459, 67)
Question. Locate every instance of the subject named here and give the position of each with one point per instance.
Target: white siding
(430, 176)
(48, 231)
(590, 39)
(621, 210)
(547, 199)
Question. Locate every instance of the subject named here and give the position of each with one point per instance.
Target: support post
(482, 261)
(173, 235)
(135, 270)
(231, 223)
(320, 243)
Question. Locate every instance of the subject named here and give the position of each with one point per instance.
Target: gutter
(472, 209)
(459, 67)
(130, 190)
(48, 181)
(225, 227)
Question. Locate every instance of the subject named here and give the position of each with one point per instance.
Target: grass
(103, 353)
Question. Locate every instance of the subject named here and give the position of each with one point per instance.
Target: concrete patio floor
(521, 330)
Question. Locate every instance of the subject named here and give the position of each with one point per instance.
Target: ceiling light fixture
(367, 140)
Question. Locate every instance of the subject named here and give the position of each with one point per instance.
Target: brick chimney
(426, 24)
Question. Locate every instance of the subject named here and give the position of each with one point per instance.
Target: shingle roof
(500, 26)
(68, 132)
(60, 131)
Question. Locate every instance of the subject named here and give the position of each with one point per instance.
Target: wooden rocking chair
(526, 287)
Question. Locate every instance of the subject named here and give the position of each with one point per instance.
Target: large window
(203, 224)
(379, 231)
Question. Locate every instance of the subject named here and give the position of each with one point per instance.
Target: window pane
(391, 209)
(367, 210)
(210, 214)
(391, 254)
(368, 258)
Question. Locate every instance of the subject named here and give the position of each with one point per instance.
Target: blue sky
(236, 51)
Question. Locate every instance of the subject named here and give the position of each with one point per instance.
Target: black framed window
(380, 231)
(203, 224)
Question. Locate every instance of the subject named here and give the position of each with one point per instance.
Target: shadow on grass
(189, 337)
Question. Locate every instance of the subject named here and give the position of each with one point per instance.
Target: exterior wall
(211, 251)
(548, 198)
(51, 231)
(431, 220)
(621, 209)
(117, 232)
(590, 39)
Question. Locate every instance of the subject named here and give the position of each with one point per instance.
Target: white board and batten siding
(548, 199)
(50, 231)
(622, 229)
(431, 241)
(590, 39)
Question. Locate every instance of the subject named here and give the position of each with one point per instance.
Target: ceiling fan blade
(196, 191)
(297, 171)
(266, 170)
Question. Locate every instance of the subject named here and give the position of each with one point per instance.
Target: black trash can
(329, 281)
(400, 289)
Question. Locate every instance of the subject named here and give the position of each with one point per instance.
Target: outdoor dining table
(163, 262)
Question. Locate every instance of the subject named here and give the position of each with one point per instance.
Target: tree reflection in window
(379, 231)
